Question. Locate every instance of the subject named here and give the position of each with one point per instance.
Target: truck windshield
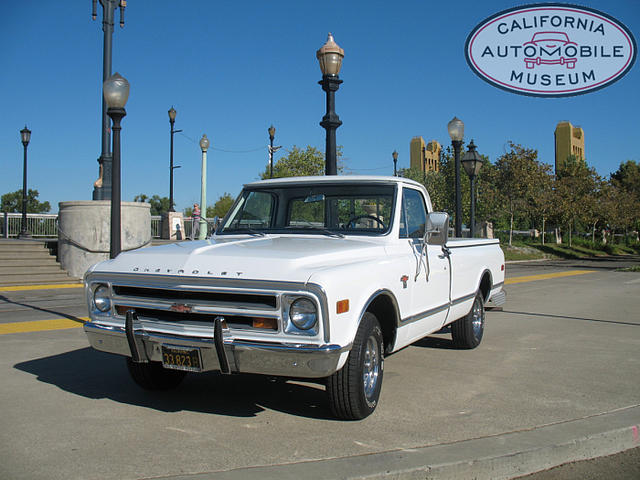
(327, 209)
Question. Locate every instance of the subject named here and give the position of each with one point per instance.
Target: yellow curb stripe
(545, 276)
(17, 288)
(40, 325)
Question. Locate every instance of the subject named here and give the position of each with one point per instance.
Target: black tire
(467, 331)
(153, 376)
(354, 390)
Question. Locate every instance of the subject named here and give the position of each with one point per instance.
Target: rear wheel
(467, 331)
(354, 390)
(153, 376)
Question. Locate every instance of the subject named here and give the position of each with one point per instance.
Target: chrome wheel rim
(371, 370)
(477, 319)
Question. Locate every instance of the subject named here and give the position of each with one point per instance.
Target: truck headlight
(101, 298)
(303, 314)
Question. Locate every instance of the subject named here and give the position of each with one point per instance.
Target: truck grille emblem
(181, 308)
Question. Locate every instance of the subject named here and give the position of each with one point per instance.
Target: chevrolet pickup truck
(309, 277)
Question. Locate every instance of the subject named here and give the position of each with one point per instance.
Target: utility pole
(102, 186)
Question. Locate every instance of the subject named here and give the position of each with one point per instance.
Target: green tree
(575, 194)
(300, 163)
(12, 202)
(221, 207)
(159, 205)
(628, 177)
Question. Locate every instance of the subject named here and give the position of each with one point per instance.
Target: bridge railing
(39, 225)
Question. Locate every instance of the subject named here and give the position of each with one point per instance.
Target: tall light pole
(272, 133)
(472, 164)
(25, 136)
(395, 163)
(456, 132)
(102, 186)
(330, 57)
(202, 231)
(172, 120)
(116, 94)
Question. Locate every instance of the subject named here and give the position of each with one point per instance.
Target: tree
(221, 207)
(12, 202)
(517, 181)
(575, 194)
(159, 205)
(300, 163)
(628, 177)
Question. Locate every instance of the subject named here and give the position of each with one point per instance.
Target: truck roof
(335, 179)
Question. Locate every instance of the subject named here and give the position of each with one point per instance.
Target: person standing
(195, 221)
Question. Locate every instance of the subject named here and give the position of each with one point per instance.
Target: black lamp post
(395, 163)
(172, 121)
(456, 132)
(25, 136)
(472, 164)
(330, 58)
(116, 94)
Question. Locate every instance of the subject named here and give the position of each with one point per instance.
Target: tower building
(425, 157)
(569, 141)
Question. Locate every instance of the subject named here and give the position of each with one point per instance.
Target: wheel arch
(384, 306)
(486, 282)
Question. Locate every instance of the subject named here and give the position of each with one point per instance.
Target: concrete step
(27, 261)
(30, 270)
(40, 255)
(28, 248)
(36, 279)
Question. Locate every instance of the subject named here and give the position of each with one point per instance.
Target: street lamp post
(25, 136)
(472, 164)
(330, 57)
(395, 163)
(272, 133)
(172, 120)
(116, 94)
(202, 230)
(456, 132)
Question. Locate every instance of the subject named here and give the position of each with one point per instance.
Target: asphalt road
(563, 348)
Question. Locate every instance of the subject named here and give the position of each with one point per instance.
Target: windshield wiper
(324, 230)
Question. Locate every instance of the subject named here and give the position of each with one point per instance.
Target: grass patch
(634, 268)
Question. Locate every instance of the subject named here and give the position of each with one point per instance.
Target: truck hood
(272, 257)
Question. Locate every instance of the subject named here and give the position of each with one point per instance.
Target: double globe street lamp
(330, 57)
(116, 93)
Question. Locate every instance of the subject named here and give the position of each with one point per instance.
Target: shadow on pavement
(609, 262)
(97, 375)
(40, 309)
(547, 315)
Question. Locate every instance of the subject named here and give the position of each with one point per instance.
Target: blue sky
(231, 69)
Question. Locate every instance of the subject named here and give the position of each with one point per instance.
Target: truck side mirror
(437, 228)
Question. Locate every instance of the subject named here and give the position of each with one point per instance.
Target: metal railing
(45, 225)
(39, 225)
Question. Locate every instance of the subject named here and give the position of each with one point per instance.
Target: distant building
(569, 142)
(425, 157)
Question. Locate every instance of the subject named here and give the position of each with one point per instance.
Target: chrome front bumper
(220, 352)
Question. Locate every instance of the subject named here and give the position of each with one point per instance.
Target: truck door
(429, 278)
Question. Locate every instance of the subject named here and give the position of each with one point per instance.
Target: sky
(231, 69)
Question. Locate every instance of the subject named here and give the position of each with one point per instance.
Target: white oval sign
(550, 50)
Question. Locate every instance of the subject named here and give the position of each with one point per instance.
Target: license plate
(181, 358)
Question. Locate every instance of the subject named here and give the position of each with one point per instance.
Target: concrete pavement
(554, 380)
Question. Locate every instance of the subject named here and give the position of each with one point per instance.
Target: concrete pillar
(173, 226)
(84, 229)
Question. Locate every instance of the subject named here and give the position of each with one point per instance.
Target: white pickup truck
(313, 277)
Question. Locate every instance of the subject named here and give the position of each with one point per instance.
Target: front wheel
(153, 376)
(467, 331)
(354, 390)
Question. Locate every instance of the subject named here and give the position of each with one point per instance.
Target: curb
(500, 456)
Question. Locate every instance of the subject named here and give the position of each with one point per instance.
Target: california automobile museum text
(551, 49)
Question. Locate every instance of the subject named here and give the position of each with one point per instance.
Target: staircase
(28, 262)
